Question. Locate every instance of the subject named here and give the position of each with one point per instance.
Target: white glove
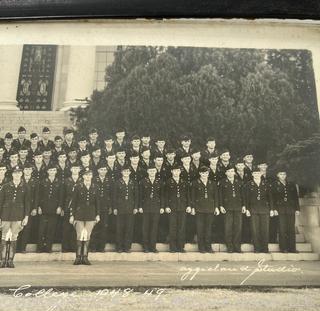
(168, 210)
(188, 210)
(216, 211)
(243, 210)
(222, 209)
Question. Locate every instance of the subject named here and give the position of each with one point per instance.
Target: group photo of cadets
(120, 188)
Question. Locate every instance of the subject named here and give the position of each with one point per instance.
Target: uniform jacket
(51, 195)
(151, 196)
(205, 154)
(204, 198)
(33, 188)
(231, 196)
(189, 176)
(17, 144)
(105, 192)
(85, 204)
(39, 174)
(49, 144)
(69, 186)
(258, 198)
(137, 174)
(177, 195)
(286, 200)
(63, 173)
(213, 175)
(67, 147)
(126, 197)
(14, 201)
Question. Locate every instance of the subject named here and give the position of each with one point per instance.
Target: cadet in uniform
(151, 197)
(21, 140)
(209, 151)
(104, 189)
(170, 161)
(45, 141)
(286, 204)
(177, 206)
(69, 142)
(57, 148)
(108, 146)
(205, 201)
(68, 232)
(213, 159)
(260, 206)
(126, 202)
(93, 140)
(34, 146)
(145, 160)
(185, 148)
(33, 188)
(8, 139)
(160, 147)
(14, 213)
(84, 214)
(232, 205)
(50, 208)
(120, 141)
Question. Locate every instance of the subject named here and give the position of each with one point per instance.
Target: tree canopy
(249, 99)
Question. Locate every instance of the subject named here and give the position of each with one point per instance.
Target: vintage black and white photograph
(169, 165)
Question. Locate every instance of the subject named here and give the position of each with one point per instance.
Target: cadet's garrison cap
(125, 167)
(108, 137)
(51, 166)
(17, 169)
(72, 149)
(185, 137)
(75, 164)
(28, 165)
(102, 164)
(95, 148)
(224, 150)
(151, 166)
(158, 155)
(261, 161)
(82, 138)
(13, 151)
(121, 149)
(280, 169)
(21, 129)
(110, 153)
(84, 153)
(211, 138)
(247, 152)
(93, 131)
(45, 130)
(33, 135)
(160, 138)
(37, 153)
(23, 147)
(203, 169)
(195, 149)
(46, 149)
(144, 148)
(229, 167)
(68, 131)
(3, 164)
(255, 168)
(214, 154)
(8, 136)
(57, 138)
(239, 160)
(135, 137)
(120, 130)
(87, 170)
(176, 166)
(60, 153)
(184, 154)
(134, 154)
(170, 150)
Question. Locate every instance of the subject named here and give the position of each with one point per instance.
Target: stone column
(10, 60)
(80, 78)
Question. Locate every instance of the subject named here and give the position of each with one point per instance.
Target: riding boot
(12, 252)
(3, 253)
(77, 261)
(85, 259)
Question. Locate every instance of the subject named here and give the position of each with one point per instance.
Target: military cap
(185, 137)
(21, 129)
(84, 153)
(102, 164)
(110, 153)
(13, 151)
(214, 154)
(3, 164)
(255, 168)
(17, 169)
(75, 164)
(145, 134)
(82, 138)
(108, 137)
(51, 166)
(134, 154)
(160, 138)
(224, 150)
(261, 161)
(211, 138)
(33, 135)
(247, 152)
(195, 149)
(203, 169)
(176, 166)
(23, 147)
(157, 155)
(93, 130)
(184, 154)
(135, 137)
(27, 165)
(125, 167)
(239, 160)
(119, 130)
(57, 138)
(72, 149)
(144, 148)
(95, 148)
(151, 166)
(60, 153)
(45, 130)
(37, 153)
(8, 135)
(280, 169)
(46, 148)
(170, 150)
(87, 170)
(229, 167)
(121, 149)
(68, 131)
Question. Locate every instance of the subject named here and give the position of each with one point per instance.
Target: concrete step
(300, 238)
(166, 256)
(190, 248)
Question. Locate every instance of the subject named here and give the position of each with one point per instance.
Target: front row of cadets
(88, 202)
